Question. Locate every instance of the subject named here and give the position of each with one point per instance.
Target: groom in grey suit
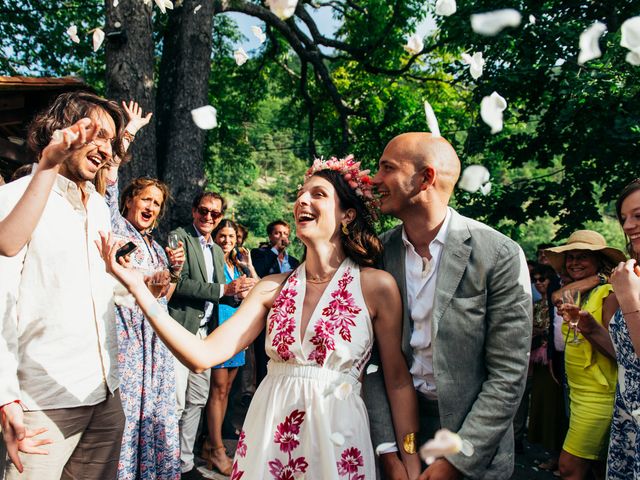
(467, 315)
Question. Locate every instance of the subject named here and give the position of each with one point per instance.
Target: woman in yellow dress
(590, 368)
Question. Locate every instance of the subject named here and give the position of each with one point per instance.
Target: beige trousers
(86, 443)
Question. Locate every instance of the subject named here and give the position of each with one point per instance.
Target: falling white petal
(195, 10)
(337, 438)
(631, 34)
(432, 121)
(475, 62)
(492, 23)
(633, 58)
(589, 42)
(414, 44)
(485, 189)
(259, 34)
(491, 109)
(115, 3)
(122, 297)
(532, 20)
(163, 5)
(205, 117)
(58, 135)
(98, 38)
(384, 446)
(240, 56)
(372, 369)
(444, 443)
(343, 390)
(445, 7)
(16, 140)
(72, 31)
(282, 8)
(473, 177)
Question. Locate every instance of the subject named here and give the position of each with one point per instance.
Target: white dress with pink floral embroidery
(307, 418)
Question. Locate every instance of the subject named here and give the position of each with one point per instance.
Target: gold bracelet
(409, 443)
(128, 136)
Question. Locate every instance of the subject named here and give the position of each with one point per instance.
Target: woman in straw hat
(589, 358)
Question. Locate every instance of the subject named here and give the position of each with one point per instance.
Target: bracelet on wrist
(409, 443)
(128, 136)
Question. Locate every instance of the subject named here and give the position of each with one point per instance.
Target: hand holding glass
(571, 310)
(174, 243)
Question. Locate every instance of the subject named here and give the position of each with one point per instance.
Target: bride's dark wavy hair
(361, 244)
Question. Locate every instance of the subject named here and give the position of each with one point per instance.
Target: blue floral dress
(150, 442)
(224, 314)
(623, 462)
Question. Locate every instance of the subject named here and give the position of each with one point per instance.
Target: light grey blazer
(481, 331)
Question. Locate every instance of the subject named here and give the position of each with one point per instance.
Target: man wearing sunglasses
(194, 304)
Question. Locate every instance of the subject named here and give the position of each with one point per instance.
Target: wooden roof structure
(20, 99)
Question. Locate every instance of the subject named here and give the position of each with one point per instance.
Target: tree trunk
(183, 86)
(130, 71)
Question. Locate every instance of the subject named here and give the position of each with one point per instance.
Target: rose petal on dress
(589, 42)
(240, 56)
(163, 5)
(485, 189)
(72, 31)
(384, 446)
(444, 443)
(343, 390)
(432, 121)
(475, 62)
(205, 117)
(372, 369)
(258, 33)
(491, 109)
(337, 438)
(492, 23)
(122, 297)
(98, 38)
(283, 9)
(445, 7)
(631, 34)
(473, 177)
(195, 10)
(414, 44)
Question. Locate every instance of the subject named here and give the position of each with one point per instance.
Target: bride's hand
(129, 277)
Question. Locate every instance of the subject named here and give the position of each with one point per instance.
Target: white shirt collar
(203, 242)
(440, 238)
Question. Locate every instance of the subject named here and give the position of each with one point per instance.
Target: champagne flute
(173, 241)
(571, 301)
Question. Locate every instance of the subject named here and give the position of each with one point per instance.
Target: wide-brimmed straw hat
(584, 240)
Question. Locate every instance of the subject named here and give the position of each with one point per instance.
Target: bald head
(423, 149)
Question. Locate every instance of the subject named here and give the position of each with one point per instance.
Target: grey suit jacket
(193, 290)
(481, 334)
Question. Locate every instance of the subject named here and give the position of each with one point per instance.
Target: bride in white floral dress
(307, 418)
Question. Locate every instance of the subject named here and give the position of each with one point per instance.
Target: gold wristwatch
(409, 443)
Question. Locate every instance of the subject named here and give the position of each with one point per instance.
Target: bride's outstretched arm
(225, 341)
(386, 305)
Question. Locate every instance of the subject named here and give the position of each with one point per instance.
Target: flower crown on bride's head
(358, 180)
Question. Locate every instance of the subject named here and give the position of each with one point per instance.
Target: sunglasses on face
(203, 211)
(539, 280)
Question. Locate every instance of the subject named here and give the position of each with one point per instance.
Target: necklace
(318, 280)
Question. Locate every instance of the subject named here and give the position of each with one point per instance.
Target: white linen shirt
(421, 276)
(58, 344)
(207, 252)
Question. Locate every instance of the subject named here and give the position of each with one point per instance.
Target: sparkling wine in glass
(571, 301)
(173, 241)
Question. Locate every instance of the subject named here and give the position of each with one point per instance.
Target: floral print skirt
(305, 421)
